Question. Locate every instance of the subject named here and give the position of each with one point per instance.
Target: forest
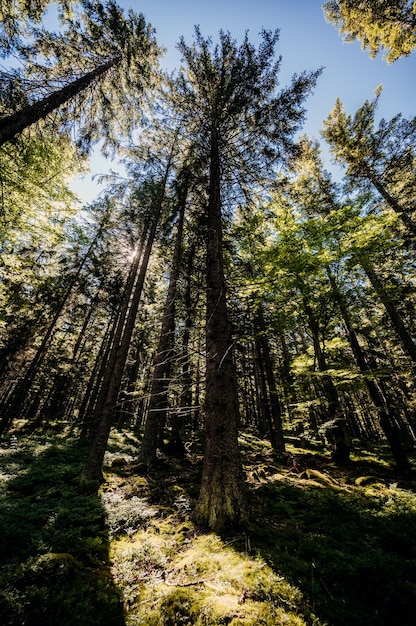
(207, 374)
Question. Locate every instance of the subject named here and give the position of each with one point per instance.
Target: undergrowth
(324, 547)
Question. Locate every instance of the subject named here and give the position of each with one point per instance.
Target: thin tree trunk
(406, 339)
(158, 404)
(336, 427)
(86, 409)
(14, 124)
(221, 500)
(92, 470)
(96, 403)
(128, 405)
(274, 410)
(392, 202)
(185, 411)
(386, 416)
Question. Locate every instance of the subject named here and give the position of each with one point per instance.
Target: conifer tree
(388, 25)
(226, 96)
(97, 69)
(382, 158)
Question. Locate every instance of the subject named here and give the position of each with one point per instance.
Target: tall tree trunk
(90, 395)
(274, 412)
(13, 124)
(287, 376)
(92, 470)
(386, 416)
(336, 429)
(221, 500)
(186, 409)
(126, 412)
(158, 403)
(406, 339)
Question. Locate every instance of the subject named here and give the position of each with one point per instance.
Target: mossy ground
(324, 546)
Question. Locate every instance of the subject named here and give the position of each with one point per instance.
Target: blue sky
(307, 42)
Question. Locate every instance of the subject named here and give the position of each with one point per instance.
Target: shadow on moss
(53, 543)
(350, 550)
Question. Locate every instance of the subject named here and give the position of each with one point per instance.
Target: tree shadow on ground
(346, 538)
(53, 542)
(350, 549)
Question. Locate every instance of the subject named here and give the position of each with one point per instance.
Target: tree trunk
(127, 411)
(89, 399)
(221, 500)
(336, 429)
(274, 410)
(183, 416)
(92, 470)
(158, 404)
(264, 419)
(95, 404)
(392, 202)
(14, 124)
(385, 414)
(406, 339)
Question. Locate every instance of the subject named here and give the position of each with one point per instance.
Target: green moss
(364, 481)
(319, 477)
(180, 607)
(326, 548)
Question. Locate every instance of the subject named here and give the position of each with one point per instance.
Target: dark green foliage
(99, 64)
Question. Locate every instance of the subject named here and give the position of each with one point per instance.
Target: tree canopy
(380, 25)
(98, 67)
(226, 334)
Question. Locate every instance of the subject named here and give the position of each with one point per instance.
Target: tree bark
(14, 124)
(158, 404)
(386, 416)
(221, 502)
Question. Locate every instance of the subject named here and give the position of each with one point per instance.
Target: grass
(324, 547)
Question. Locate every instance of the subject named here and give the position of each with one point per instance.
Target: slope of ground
(325, 546)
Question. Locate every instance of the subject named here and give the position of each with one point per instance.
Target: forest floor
(325, 545)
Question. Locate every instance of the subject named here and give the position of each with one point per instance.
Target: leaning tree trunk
(16, 123)
(221, 500)
(391, 201)
(386, 416)
(92, 470)
(408, 344)
(158, 403)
